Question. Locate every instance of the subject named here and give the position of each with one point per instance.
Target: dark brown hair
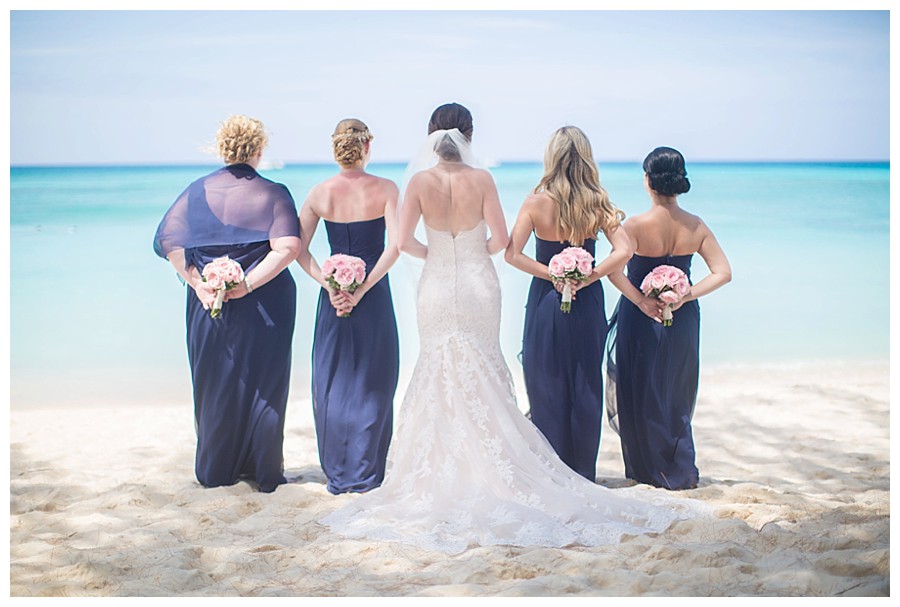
(451, 116)
(665, 169)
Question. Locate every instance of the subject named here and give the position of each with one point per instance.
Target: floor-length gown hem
(465, 467)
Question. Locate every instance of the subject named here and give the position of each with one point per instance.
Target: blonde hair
(349, 140)
(240, 138)
(571, 179)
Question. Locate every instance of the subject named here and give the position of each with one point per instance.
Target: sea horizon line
(281, 164)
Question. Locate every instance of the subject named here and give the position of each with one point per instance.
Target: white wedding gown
(465, 467)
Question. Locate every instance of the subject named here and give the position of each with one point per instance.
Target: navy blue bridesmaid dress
(562, 358)
(240, 367)
(655, 373)
(355, 368)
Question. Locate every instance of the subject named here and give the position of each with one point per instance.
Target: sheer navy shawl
(231, 206)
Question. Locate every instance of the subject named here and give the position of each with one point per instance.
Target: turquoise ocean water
(96, 316)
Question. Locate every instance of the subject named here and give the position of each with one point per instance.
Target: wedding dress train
(465, 466)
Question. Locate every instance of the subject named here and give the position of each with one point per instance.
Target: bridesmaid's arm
(284, 251)
(493, 216)
(309, 220)
(614, 262)
(409, 216)
(388, 257)
(650, 306)
(192, 277)
(518, 238)
(719, 269)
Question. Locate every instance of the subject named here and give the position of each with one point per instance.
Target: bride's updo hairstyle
(572, 180)
(350, 138)
(240, 138)
(665, 171)
(446, 117)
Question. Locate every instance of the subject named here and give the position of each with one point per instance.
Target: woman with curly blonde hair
(356, 358)
(562, 353)
(240, 360)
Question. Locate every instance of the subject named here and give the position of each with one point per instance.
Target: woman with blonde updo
(355, 358)
(562, 353)
(240, 360)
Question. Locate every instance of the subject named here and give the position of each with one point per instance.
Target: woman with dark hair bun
(666, 175)
(654, 369)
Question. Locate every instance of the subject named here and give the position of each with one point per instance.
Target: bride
(465, 466)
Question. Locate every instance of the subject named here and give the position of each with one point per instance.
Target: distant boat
(269, 165)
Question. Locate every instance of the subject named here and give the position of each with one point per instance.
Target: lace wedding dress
(465, 467)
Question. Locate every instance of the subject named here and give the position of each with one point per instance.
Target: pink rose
(584, 266)
(568, 261)
(213, 277)
(657, 281)
(556, 267)
(360, 273)
(580, 254)
(669, 297)
(344, 275)
(673, 275)
(228, 270)
(328, 267)
(235, 275)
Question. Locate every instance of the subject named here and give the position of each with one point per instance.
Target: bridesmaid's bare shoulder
(318, 197)
(386, 186)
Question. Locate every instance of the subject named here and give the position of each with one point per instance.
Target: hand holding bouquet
(668, 284)
(344, 273)
(570, 263)
(221, 274)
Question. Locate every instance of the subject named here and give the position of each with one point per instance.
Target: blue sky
(92, 87)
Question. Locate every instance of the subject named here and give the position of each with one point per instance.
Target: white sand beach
(795, 461)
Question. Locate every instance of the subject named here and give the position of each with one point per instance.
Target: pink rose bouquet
(667, 284)
(344, 273)
(221, 274)
(570, 263)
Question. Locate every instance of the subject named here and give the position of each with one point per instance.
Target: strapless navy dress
(355, 369)
(562, 358)
(654, 371)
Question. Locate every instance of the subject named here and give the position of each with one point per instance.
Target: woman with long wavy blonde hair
(562, 353)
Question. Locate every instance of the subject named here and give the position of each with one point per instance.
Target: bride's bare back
(452, 197)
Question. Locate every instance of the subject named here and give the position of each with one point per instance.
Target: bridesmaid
(655, 369)
(240, 361)
(562, 353)
(355, 360)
